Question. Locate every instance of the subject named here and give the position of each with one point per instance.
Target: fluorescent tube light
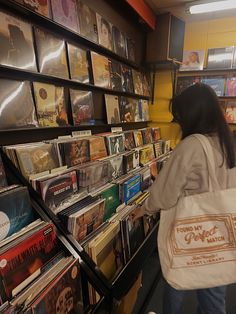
(212, 6)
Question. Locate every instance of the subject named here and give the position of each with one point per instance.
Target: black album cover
(119, 43)
(76, 152)
(51, 54)
(130, 45)
(3, 179)
(185, 82)
(16, 43)
(16, 105)
(126, 79)
(127, 109)
(81, 106)
(87, 22)
(115, 74)
(78, 64)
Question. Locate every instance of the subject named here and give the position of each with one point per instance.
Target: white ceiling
(179, 8)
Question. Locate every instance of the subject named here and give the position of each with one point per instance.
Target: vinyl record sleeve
(137, 81)
(3, 179)
(126, 79)
(147, 135)
(50, 104)
(63, 295)
(16, 211)
(145, 109)
(16, 42)
(16, 105)
(36, 158)
(78, 64)
(112, 109)
(130, 46)
(115, 75)
(76, 152)
(231, 86)
(119, 42)
(230, 111)
(146, 154)
(217, 84)
(97, 147)
(193, 60)
(146, 84)
(101, 70)
(112, 201)
(82, 107)
(115, 144)
(87, 22)
(59, 188)
(220, 58)
(40, 6)
(156, 134)
(51, 54)
(104, 32)
(65, 13)
(128, 108)
(138, 138)
(129, 140)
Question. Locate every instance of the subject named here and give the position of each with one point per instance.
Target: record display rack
(116, 289)
(49, 24)
(120, 285)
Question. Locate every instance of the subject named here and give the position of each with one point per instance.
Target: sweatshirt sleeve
(186, 160)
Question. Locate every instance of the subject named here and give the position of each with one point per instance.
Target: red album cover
(63, 295)
(21, 260)
(231, 86)
(156, 134)
(230, 112)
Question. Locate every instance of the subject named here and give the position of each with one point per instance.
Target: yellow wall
(198, 35)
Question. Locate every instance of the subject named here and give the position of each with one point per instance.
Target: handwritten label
(116, 129)
(82, 133)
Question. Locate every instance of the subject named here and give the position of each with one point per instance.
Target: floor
(154, 299)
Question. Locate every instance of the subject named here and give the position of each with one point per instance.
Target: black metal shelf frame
(121, 284)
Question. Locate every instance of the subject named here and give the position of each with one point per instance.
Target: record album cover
(101, 70)
(3, 179)
(220, 58)
(87, 22)
(119, 42)
(16, 211)
(39, 6)
(16, 43)
(82, 107)
(146, 154)
(63, 295)
(76, 152)
(26, 256)
(193, 60)
(130, 46)
(146, 84)
(128, 108)
(129, 140)
(145, 109)
(78, 64)
(131, 187)
(57, 189)
(104, 32)
(50, 104)
(97, 147)
(115, 144)
(16, 105)
(230, 111)
(115, 75)
(112, 201)
(147, 135)
(112, 109)
(126, 79)
(185, 82)
(64, 12)
(156, 134)
(138, 138)
(217, 84)
(231, 86)
(137, 81)
(116, 163)
(36, 158)
(51, 54)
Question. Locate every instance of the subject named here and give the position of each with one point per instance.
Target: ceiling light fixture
(212, 7)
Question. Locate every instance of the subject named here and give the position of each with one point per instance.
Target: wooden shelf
(206, 72)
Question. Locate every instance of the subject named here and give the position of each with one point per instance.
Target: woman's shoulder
(189, 144)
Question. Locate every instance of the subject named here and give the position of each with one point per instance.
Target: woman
(197, 110)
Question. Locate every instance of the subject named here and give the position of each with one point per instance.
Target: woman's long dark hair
(197, 110)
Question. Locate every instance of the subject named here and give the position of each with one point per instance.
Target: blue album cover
(218, 84)
(132, 187)
(15, 211)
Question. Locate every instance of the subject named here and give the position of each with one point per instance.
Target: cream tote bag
(197, 238)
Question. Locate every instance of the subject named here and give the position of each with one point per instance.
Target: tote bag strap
(206, 145)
